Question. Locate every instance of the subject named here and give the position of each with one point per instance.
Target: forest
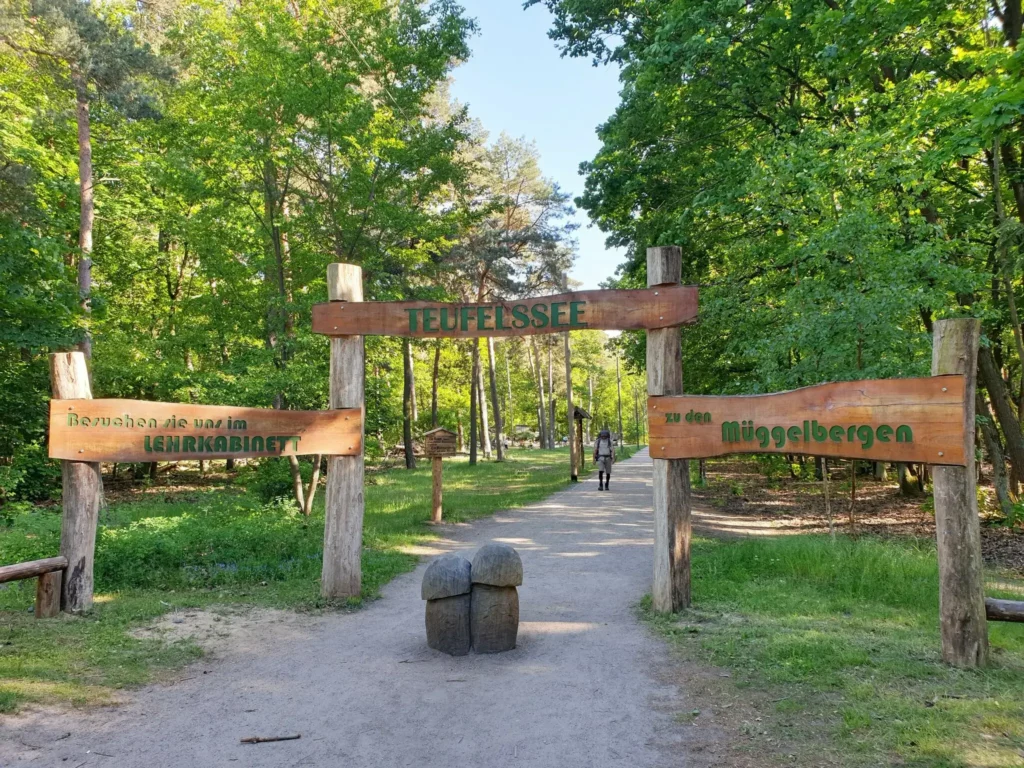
(175, 178)
(839, 176)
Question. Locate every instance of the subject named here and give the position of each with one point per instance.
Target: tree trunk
(433, 385)
(87, 209)
(297, 488)
(552, 433)
(412, 390)
(229, 465)
(636, 415)
(542, 408)
(879, 471)
(314, 482)
(510, 411)
(618, 384)
(473, 378)
(570, 411)
(1008, 422)
(819, 468)
(408, 403)
(907, 479)
(498, 436)
(995, 456)
(485, 423)
(590, 403)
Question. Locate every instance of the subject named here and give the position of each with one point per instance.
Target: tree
(838, 174)
(96, 58)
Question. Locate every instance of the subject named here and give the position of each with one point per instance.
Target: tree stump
(446, 588)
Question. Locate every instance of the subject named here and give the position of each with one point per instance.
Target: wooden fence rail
(49, 574)
(1004, 610)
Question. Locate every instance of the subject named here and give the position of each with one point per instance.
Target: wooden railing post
(957, 529)
(343, 525)
(671, 589)
(83, 489)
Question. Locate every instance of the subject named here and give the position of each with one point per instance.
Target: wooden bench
(49, 573)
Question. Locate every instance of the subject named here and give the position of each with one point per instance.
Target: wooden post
(436, 512)
(83, 490)
(671, 590)
(957, 530)
(48, 594)
(343, 525)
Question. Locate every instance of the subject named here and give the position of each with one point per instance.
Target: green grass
(197, 548)
(839, 643)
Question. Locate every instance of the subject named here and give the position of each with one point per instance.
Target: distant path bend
(587, 686)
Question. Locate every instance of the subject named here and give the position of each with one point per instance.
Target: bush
(271, 480)
(227, 542)
(37, 475)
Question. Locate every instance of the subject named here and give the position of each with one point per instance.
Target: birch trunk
(494, 400)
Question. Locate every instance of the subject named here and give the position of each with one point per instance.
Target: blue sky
(517, 82)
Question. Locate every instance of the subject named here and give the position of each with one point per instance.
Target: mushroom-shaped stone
(497, 565)
(447, 576)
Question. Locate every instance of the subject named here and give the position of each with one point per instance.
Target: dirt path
(583, 687)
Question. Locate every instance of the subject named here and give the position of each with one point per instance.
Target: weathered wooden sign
(137, 430)
(623, 310)
(911, 420)
(438, 443)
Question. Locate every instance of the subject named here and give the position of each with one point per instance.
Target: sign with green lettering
(138, 430)
(662, 307)
(910, 420)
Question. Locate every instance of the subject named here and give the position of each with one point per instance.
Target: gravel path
(584, 687)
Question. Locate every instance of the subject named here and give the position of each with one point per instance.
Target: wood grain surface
(661, 307)
(853, 420)
(138, 430)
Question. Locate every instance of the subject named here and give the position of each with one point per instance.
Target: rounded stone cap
(446, 576)
(497, 565)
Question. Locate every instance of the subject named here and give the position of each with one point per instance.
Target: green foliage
(271, 479)
(826, 168)
(38, 476)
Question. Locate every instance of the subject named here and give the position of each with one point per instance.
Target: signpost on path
(438, 443)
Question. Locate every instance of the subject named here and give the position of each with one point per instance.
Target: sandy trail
(584, 687)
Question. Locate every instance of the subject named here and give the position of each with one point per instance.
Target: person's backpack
(604, 446)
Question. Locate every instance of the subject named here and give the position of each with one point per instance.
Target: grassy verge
(189, 548)
(837, 646)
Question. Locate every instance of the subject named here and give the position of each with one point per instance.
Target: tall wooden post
(957, 530)
(671, 590)
(83, 489)
(343, 526)
(436, 509)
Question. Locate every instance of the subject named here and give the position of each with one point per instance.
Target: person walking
(604, 457)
